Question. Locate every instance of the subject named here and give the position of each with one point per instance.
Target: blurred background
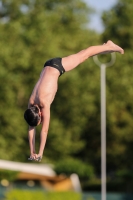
(33, 31)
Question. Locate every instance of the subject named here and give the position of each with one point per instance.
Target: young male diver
(43, 94)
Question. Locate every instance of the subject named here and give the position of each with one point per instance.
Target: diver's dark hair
(31, 116)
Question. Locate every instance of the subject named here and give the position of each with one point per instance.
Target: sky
(99, 6)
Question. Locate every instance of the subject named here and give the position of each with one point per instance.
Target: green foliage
(69, 166)
(7, 174)
(118, 24)
(125, 174)
(31, 195)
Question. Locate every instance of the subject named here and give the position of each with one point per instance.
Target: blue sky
(99, 6)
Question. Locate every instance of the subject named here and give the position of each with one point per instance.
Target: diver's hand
(38, 158)
(32, 156)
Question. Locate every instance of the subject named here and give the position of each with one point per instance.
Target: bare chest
(46, 89)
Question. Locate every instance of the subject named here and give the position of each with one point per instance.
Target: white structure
(39, 169)
(44, 173)
(103, 119)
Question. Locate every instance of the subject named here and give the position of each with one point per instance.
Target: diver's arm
(31, 136)
(45, 127)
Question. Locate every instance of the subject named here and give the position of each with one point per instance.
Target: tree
(118, 26)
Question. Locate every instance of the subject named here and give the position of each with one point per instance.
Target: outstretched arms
(43, 135)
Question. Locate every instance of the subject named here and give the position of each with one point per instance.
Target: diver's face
(40, 115)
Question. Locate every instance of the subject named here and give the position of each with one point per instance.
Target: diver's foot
(113, 47)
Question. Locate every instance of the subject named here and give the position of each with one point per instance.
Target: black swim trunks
(56, 63)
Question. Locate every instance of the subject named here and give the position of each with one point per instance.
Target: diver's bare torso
(46, 87)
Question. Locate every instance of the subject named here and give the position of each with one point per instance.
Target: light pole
(103, 119)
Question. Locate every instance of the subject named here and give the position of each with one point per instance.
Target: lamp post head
(108, 64)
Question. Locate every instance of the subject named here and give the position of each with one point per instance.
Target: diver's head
(33, 115)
